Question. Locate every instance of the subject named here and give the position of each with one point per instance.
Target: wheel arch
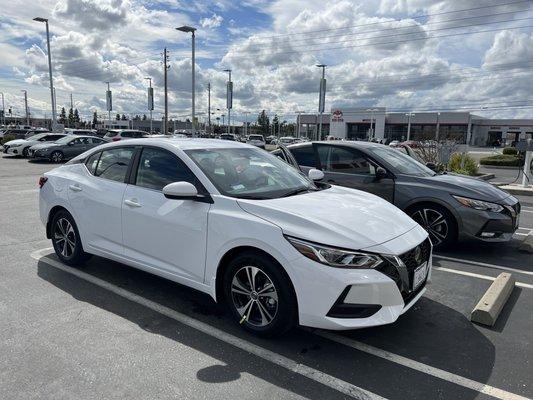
(234, 252)
(438, 203)
(53, 211)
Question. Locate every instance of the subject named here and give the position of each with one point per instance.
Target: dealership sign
(336, 116)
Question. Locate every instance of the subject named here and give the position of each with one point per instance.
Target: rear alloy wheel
(66, 239)
(259, 296)
(26, 152)
(437, 222)
(56, 156)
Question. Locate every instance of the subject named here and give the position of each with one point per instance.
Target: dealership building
(360, 123)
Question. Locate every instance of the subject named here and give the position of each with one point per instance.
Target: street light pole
(3, 110)
(109, 105)
(372, 123)
(39, 19)
(150, 103)
(26, 106)
(409, 125)
(322, 98)
(229, 98)
(192, 30)
(437, 130)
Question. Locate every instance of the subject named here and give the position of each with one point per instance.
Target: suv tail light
(42, 181)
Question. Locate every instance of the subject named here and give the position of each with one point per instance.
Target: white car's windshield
(250, 173)
(402, 163)
(255, 137)
(37, 136)
(64, 140)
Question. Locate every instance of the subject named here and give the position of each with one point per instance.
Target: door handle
(75, 188)
(132, 203)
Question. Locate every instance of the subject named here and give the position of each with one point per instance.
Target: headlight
(478, 204)
(335, 257)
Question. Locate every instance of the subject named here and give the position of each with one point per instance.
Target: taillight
(116, 139)
(42, 181)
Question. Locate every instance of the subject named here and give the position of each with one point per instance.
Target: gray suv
(448, 206)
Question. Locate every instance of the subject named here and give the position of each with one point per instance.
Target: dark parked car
(448, 206)
(65, 148)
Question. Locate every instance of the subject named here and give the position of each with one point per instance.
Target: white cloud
(213, 22)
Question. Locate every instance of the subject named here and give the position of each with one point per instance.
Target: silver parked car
(256, 140)
(65, 148)
(448, 206)
(21, 147)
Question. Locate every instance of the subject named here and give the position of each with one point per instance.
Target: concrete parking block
(518, 189)
(491, 304)
(527, 244)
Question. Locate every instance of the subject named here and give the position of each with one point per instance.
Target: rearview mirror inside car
(315, 174)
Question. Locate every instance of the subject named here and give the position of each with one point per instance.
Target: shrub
(7, 138)
(469, 167)
(510, 151)
(502, 160)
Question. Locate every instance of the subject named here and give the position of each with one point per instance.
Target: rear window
(255, 137)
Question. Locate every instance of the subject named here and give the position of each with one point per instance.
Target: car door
(72, 148)
(169, 235)
(96, 197)
(350, 167)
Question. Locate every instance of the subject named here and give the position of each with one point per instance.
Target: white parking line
(530, 211)
(343, 387)
(311, 373)
(473, 275)
(480, 264)
(426, 369)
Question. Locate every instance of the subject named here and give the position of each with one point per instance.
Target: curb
(486, 177)
(491, 304)
(517, 190)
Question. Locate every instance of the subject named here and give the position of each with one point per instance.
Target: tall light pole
(409, 115)
(246, 122)
(192, 30)
(321, 98)
(26, 106)
(54, 120)
(3, 110)
(209, 108)
(150, 103)
(437, 129)
(229, 98)
(109, 104)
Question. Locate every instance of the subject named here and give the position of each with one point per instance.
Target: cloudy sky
(400, 54)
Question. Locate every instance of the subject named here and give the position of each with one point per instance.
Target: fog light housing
(489, 235)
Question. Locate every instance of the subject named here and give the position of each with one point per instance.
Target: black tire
(26, 152)
(57, 156)
(438, 222)
(283, 310)
(66, 239)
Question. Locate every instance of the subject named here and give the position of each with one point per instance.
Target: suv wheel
(437, 221)
(66, 239)
(259, 296)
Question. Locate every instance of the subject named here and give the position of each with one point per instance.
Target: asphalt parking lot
(109, 331)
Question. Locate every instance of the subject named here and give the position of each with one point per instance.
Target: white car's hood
(16, 142)
(338, 216)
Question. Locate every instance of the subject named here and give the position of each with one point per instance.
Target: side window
(126, 134)
(158, 168)
(304, 155)
(114, 163)
(75, 142)
(278, 153)
(53, 138)
(92, 162)
(137, 134)
(96, 141)
(345, 160)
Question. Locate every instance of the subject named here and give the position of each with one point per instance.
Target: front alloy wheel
(254, 296)
(259, 294)
(437, 223)
(57, 156)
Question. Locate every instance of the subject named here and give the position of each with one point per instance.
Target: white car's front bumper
(375, 297)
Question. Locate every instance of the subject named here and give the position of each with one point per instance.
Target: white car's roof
(184, 143)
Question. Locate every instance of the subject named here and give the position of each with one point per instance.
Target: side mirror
(315, 174)
(180, 191)
(381, 173)
(431, 166)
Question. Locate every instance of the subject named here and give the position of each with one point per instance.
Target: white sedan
(240, 224)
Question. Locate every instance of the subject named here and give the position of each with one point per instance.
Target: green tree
(275, 124)
(263, 122)
(145, 117)
(63, 116)
(124, 117)
(70, 117)
(118, 117)
(95, 118)
(76, 116)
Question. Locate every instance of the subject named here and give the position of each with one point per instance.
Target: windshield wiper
(298, 191)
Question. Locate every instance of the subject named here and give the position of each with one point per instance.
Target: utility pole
(209, 107)
(52, 94)
(437, 130)
(322, 98)
(409, 125)
(246, 122)
(72, 108)
(229, 98)
(150, 103)
(298, 117)
(109, 105)
(192, 30)
(165, 69)
(26, 107)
